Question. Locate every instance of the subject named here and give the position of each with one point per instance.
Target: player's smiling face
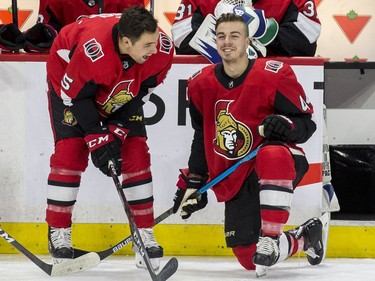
(232, 41)
(145, 47)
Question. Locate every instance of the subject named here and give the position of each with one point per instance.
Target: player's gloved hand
(184, 198)
(276, 128)
(104, 143)
(118, 129)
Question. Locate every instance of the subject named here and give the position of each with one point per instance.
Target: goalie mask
(261, 28)
(11, 38)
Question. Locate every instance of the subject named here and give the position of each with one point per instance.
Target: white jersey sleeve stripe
(308, 27)
(180, 30)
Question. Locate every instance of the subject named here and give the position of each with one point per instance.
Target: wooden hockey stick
(152, 6)
(84, 262)
(15, 12)
(101, 7)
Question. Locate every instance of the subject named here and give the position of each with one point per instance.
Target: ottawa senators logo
(273, 66)
(69, 118)
(233, 139)
(165, 44)
(93, 50)
(119, 96)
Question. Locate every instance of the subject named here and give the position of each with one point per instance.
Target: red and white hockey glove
(276, 128)
(104, 143)
(184, 198)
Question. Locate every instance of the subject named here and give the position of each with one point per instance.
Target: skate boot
(60, 244)
(266, 255)
(154, 250)
(311, 232)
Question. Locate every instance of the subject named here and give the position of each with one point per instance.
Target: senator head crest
(233, 138)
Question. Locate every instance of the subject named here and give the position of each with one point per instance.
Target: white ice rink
(121, 268)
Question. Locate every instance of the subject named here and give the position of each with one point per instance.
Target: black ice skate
(311, 231)
(154, 250)
(60, 244)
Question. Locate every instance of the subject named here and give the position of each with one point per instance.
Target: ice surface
(121, 268)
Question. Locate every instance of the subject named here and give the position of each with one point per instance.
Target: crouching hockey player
(235, 106)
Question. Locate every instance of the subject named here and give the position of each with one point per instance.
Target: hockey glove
(276, 128)
(184, 198)
(104, 143)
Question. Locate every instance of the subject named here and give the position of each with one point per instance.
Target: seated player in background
(299, 26)
(57, 13)
(54, 15)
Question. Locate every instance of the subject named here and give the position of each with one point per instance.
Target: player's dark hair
(135, 21)
(229, 17)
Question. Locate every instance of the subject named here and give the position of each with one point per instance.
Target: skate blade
(260, 271)
(155, 263)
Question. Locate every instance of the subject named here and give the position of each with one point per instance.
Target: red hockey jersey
(228, 111)
(298, 21)
(85, 54)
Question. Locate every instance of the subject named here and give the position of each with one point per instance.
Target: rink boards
(25, 162)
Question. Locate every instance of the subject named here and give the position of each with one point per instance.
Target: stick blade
(168, 270)
(81, 263)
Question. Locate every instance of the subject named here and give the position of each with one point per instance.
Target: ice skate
(266, 255)
(60, 244)
(154, 250)
(311, 231)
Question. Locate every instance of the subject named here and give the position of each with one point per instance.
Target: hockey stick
(152, 6)
(101, 6)
(15, 12)
(82, 263)
(171, 267)
(106, 253)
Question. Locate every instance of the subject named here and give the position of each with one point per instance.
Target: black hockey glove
(104, 143)
(184, 198)
(276, 128)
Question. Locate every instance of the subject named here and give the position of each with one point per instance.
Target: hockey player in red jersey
(101, 70)
(236, 106)
(55, 14)
(299, 26)
(59, 13)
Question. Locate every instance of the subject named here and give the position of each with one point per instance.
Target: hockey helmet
(11, 38)
(39, 38)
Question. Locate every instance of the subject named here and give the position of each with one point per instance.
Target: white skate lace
(267, 246)
(61, 237)
(311, 252)
(148, 237)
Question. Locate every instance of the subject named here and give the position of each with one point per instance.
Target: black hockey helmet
(39, 38)
(11, 38)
